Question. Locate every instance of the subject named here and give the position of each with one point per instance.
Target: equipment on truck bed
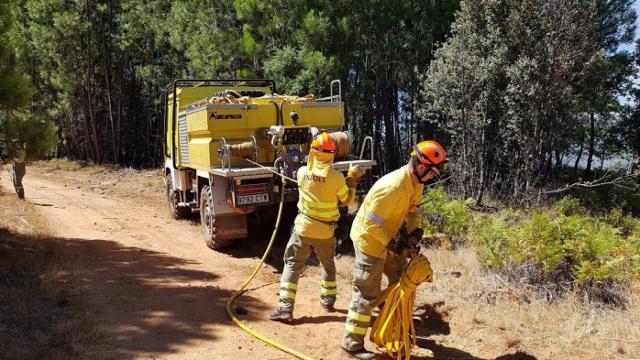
(229, 141)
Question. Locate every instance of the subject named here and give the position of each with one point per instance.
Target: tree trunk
(94, 128)
(482, 176)
(377, 131)
(113, 131)
(592, 140)
(395, 119)
(85, 146)
(578, 158)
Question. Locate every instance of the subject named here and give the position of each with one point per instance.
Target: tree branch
(606, 179)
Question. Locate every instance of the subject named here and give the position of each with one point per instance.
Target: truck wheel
(219, 232)
(177, 212)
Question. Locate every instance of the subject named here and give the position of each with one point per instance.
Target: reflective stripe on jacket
(391, 201)
(318, 199)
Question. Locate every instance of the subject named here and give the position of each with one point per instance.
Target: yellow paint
(238, 122)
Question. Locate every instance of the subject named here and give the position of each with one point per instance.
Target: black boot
(362, 354)
(281, 315)
(328, 308)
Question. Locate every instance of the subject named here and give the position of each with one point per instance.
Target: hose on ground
(248, 280)
(394, 324)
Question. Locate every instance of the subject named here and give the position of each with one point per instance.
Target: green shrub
(492, 238)
(540, 241)
(585, 249)
(455, 214)
(606, 198)
(569, 206)
(567, 243)
(618, 219)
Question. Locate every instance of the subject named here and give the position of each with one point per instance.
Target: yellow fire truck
(229, 142)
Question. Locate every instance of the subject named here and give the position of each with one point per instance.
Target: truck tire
(213, 226)
(177, 212)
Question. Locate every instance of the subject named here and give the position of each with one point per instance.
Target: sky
(636, 6)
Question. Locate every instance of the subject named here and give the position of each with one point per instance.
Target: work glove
(352, 181)
(354, 175)
(355, 171)
(416, 236)
(404, 248)
(412, 246)
(395, 247)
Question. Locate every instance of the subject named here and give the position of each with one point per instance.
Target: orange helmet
(323, 142)
(431, 153)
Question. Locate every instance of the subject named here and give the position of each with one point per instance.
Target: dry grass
(491, 317)
(142, 186)
(470, 312)
(41, 310)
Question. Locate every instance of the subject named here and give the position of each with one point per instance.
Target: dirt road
(158, 292)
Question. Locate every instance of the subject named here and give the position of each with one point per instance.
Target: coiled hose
(395, 322)
(244, 150)
(248, 280)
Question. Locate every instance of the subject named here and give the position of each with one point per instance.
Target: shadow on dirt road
(142, 301)
(261, 229)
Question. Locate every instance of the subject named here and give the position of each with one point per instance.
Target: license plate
(251, 199)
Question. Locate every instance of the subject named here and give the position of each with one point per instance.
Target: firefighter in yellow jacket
(19, 169)
(391, 201)
(321, 190)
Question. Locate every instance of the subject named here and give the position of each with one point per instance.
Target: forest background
(527, 96)
(536, 101)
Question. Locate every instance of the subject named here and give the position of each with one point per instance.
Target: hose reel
(245, 150)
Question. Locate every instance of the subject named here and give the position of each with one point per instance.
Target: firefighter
(19, 169)
(390, 202)
(15, 152)
(321, 190)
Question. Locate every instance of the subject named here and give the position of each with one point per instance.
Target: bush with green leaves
(582, 248)
(455, 214)
(606, 198)
(38, 134)
(569, 206)
(625, 222)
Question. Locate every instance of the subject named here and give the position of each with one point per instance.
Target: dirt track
(158, 292)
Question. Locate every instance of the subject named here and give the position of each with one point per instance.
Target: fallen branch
(483, 208)
(605, 180)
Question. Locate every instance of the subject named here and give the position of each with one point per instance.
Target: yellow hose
(395, 322)
(242, 289)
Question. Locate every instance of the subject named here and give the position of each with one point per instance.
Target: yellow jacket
(318, 200)
(391, 201)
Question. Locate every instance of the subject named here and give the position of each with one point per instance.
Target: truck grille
(184, 141)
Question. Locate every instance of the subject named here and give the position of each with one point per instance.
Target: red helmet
(323, 142)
